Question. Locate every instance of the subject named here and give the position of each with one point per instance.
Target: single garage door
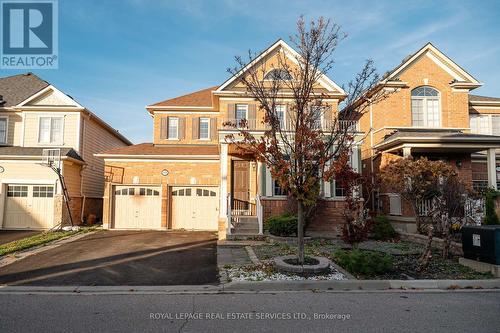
(29, 206)
(195, 208)
(137, 207)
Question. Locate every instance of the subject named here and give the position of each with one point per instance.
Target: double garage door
(139, 207)
(28, 206)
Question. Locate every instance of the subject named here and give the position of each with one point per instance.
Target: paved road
(121, 258)
(356, 312)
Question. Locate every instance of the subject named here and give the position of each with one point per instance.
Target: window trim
(273, 183)
(177, 128)
(6, 130)
(489, 116)
(284, 115)
(57, 143)
(424, 100)
(201, 120)
(236, 110)
(280, 69)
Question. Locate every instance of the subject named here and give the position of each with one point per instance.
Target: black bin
(482, 243)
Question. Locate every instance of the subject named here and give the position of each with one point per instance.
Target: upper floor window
(173, 128)
(425, 110)
(50, 130)
(278, 74)
(280, 114)
(3, 130)
(241, 112)
(485, 124)
(316, 116)
(204, 128)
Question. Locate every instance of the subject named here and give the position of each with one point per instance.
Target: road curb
(269, 286)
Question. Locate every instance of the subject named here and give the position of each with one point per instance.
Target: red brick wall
(326, 217)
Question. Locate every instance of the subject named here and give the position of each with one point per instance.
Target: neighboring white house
(36, 116)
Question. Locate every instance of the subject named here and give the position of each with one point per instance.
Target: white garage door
(29, 206)
(137, 207)
(195, 208)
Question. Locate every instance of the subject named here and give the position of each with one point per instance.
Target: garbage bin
(482, 243)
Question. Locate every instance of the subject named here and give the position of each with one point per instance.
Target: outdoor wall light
(459, 163)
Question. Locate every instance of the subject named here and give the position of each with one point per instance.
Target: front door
(241, 185)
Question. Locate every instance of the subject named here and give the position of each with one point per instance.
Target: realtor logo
(29, 34)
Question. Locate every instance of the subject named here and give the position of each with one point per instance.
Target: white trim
(30, 181)
(78, 132)
(327, 82)
(177, 128)
(6, 142)
(159, 161)
(157, 156)
(188, 112)
(443, 66)
(54, 90)
(23, 128)
(489, 107)
(269, 183)
(152, 107)
(423, 127)
(236, 110)
(426, 48)
(223, 183)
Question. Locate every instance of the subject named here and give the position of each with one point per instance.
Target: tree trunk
(300, 232)
(427, 254)
(446, 239)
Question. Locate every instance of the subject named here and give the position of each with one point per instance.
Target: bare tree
(308, 143)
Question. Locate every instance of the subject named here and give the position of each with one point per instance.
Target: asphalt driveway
(7, 236)
(109, 258)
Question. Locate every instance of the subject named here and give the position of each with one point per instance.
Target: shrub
(282, 225)
(491, 217)
(366, 263)
(382, 228)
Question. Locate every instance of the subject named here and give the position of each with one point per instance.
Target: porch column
(223, 180)
(492, 174)
(406, 152)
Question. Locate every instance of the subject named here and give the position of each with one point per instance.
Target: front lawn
(39, 239)
(402, 254)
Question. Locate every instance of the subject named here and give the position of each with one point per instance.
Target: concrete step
(246, 225)
(244, 231)
(252, 219)
(238, 237)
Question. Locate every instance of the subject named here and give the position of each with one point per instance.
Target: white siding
(95, 139)
(14, 128)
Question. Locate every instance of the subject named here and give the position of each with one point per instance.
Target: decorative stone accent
(322, 266)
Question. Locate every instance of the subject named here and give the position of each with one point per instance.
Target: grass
(36, 240)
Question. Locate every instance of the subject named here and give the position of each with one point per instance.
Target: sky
(117, 56)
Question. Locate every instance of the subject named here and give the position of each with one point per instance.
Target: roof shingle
(148, 149)
(17, 88)
(197, 99)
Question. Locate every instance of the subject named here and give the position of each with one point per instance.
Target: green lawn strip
(40, 239)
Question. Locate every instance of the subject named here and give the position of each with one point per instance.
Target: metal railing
(259, 125)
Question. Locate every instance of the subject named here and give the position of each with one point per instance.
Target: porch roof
(23, 153)
(437, 140)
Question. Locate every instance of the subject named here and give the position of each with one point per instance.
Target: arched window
(278, 74)
(425, 107)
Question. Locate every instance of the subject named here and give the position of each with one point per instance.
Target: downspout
(82, 142)
(372, 155)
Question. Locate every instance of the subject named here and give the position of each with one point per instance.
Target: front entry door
(241, 185)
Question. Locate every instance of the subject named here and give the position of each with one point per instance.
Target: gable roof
(200, 98)
(17, 88)
(292, 54)
(459, 74)
(477, 98)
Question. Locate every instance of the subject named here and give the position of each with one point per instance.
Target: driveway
(121, 258)
(7, 236)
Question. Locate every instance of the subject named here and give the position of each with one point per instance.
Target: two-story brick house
(191, 177)
(430, 112)
(36, 117)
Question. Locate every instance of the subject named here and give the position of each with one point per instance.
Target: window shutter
(327, 117)
(231, 110)
(269, 183)
(164, 128)
(196, 128)
(213, 128)
(252, 113)
(182, 128)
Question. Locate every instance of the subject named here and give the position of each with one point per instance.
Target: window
(339, 191)
(3, 130)
(204, 128)
(277, 190)
(485, 124)
(280, 113)
(425, 110)
(278, 74)
(17, 191)
(173, 128)
(316, 115)
(241, 112)
(43, 191)
(50, 130)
